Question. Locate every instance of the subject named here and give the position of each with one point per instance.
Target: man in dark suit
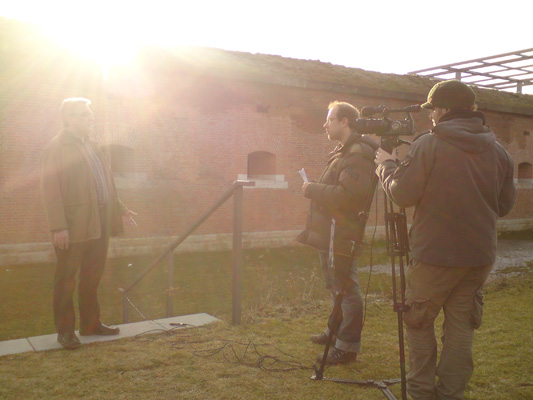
(83, 211)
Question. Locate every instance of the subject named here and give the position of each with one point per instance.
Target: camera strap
(331, 254)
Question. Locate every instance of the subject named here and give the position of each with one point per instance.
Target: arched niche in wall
(261, 169)
(525, 175)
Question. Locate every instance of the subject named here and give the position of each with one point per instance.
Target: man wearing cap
(460, 180)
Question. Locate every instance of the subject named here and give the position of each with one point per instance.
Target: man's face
(333, 125)
(436, 114)
(80, 120)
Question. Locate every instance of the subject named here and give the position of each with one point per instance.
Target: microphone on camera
(369, 111)
(408, 109)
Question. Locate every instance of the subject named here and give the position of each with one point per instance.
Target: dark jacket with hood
(460, 180)
(340, 193)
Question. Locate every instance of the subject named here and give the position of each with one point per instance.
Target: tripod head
(389, 143)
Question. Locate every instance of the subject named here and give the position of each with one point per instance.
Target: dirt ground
(512, 257)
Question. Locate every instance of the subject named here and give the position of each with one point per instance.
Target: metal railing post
(237, 257)
(170, 283)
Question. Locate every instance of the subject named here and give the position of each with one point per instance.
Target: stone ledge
(29, 253)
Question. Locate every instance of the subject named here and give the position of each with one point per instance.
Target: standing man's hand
(127, 218)
(61, 239)
(304, 187)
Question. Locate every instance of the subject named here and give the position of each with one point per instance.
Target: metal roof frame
(502, 71)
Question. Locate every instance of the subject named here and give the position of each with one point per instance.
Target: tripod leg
(381, 385)
(398, 246)
(336, 319)
(402, 356)
(388, 394)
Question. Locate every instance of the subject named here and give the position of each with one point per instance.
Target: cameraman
(340, 195)
(460, 180)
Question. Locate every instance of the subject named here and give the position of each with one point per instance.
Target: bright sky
(396, 36)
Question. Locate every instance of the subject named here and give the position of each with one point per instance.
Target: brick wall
(189, 135)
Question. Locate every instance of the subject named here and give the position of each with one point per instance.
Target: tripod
(398, 249)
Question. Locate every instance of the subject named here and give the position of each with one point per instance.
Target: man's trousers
(89, 258)
(456, 290)
(344, 275)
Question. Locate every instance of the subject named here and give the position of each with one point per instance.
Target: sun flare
(109, 33)
(107, 45)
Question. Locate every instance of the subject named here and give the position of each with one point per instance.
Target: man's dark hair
(345, 110)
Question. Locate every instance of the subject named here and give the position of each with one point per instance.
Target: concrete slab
(45, 342)
(15, 346)
(187, 320)
(49, 342)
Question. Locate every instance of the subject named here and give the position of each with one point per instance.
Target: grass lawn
(268, 356)
(202, 284)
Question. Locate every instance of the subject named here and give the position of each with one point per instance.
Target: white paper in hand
(303, 175)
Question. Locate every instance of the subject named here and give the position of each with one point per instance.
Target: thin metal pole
(185, 235)
(237, 186)
(125, 309)
(170, 284)
(237, 256)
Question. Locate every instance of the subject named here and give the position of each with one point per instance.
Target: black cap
(450, 94)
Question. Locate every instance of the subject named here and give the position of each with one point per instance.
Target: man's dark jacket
(341, 193)
(460, 180)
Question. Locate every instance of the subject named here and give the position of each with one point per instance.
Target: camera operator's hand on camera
(382, 155)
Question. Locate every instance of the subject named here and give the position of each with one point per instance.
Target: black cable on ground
(249, 354)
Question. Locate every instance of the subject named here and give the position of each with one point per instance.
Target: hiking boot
(337, 356)
(102, 330)
(68, 340)
(322, 339)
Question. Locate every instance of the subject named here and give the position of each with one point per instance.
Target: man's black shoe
(102, 330)
(337, 356)
(68, 340)
(322, 339)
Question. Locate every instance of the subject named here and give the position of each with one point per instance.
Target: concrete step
(49, 342)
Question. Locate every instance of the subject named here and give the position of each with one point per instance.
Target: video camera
(387, 128)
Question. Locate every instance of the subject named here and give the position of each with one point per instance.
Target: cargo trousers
(456, 290)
